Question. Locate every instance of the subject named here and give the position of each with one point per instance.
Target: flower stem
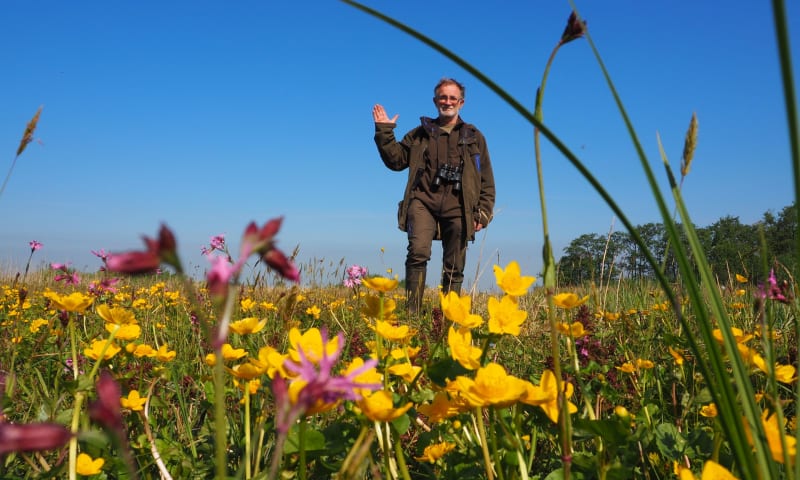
(487, 459)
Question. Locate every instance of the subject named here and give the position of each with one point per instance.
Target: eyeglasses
(444, 98)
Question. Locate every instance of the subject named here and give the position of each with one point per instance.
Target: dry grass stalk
(689, 144)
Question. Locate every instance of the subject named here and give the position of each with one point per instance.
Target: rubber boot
(448, 287)
(415, 288)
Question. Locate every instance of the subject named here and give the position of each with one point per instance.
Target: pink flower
(163, 249)
(68, 275)
(220, 275)
(31, 437)
(35, 245)
(261, 241)
(107, 410)
(218, 242)
(101, 254)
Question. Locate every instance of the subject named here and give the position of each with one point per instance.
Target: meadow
(140, 371)
(467, 385)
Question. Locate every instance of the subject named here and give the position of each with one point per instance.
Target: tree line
(729, 246)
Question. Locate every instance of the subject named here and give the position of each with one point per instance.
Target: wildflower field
(107, 377)
(141, 371)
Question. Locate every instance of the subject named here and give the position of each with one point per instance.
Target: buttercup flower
(118, 315)
(441, 408)
(574, 330)
(95, 350)
(394, 333)
(164, 354)
(709, 411)
(510, 280)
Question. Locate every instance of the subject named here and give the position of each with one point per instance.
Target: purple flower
(101, 254)
(35, 245)
(32, 437)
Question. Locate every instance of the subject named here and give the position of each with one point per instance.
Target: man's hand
(478, 226)
(380, 116)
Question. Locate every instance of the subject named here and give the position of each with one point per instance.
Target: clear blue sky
(206, 115)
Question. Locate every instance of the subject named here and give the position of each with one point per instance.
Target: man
(450, 191)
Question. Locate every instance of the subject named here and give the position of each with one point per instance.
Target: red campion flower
(261, 241)
(30, 437)
(163, 249)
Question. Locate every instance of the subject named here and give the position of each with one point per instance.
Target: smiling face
(448, 100)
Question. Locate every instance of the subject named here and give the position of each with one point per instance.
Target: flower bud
(32, 437)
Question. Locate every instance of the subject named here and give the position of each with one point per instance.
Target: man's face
(448, 101)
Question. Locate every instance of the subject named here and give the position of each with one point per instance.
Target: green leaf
(313, 440)
(445, 369)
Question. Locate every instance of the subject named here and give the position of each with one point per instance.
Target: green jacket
(477, 179)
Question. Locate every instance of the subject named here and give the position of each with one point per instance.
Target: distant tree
(781, 236)
(732, 247)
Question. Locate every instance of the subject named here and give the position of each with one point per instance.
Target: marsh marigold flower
(491, 386)
(96, 350)
(248, 325)
(574, 329)
(74, 302)
(545, 395)
(86, 465)
(380, 284)
(457, 309)
(462, 350)
(510, 281)
(394, 333)
(133, 401)
(379, 407)
(441, 408)
(709, 411)
(311, 343)
(436, 451)
(164, 354)
(569, 300)
(505, 316)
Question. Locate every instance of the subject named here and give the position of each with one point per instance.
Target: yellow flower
(709, 411)
(96, 349)
(406, 370)
(676, 355)
(435, 452)
(133, 401)
(462, 350)
(457, 309)
(643, 364)
(491, 386)
(510, 281)
(741, 278)
(785, 373)
(738, 334)
(380, 284)
(319, 406)
(372, 307)
(740, 292)
(714, 471)
(37, 324)
(164, 354)
(247, 304)
(125, 332)
(247, 371)
(626, 367)
(311, 344)
(248, 325)
(441, 408)
(569, 300)
(271, 361)
(143, 350)
(393, 333)
(230, 353)
(86, 465)
(74, 302)
(314, 311)
(379, 407)
(774, 433)
(545, 395)
(611, 316)
(366, 377)
(574, 330)
(118, 315)
(505, 316)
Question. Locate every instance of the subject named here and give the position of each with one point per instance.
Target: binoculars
(450, 174)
